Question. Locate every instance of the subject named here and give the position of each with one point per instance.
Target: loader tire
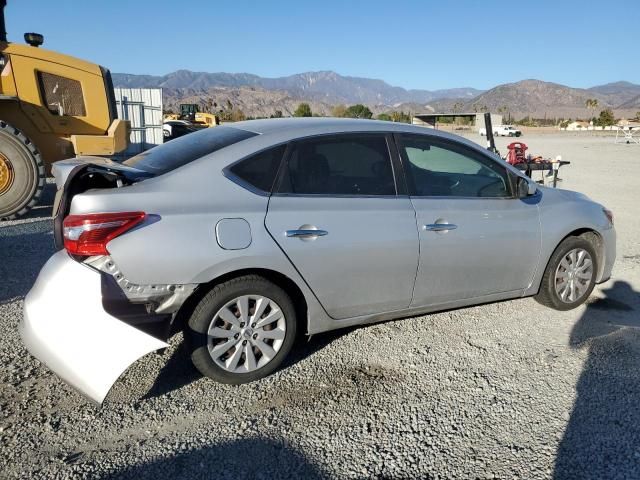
(22, 176)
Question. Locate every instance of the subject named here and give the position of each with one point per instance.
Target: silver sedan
(245, 235)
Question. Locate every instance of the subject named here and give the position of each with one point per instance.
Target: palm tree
(592, 104)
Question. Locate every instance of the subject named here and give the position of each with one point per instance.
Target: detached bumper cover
(65, 327)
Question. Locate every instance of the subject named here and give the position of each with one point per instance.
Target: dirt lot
(507, 390)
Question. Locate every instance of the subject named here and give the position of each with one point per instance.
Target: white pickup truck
(502, 131)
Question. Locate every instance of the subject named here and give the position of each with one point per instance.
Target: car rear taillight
(89, 234)
(609, 214)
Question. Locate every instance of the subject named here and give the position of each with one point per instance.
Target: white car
(502, 131)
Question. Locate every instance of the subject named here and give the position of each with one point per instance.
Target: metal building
(143, 108)
(430, 120)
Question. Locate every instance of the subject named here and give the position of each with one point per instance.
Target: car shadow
(602, 438)
(253, 457)
(179, 371)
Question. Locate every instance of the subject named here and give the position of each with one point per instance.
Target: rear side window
(339, 165)
(186, 149)
(259, 171)
(61, 95)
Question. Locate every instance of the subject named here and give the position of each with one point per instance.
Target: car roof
(283, 129)
(322, 125)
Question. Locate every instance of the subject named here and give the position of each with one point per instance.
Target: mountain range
(324, 86)
(261, 96)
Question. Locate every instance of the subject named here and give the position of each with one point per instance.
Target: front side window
(61, 95)
(260, 170)
(339, 165)
(443, 169)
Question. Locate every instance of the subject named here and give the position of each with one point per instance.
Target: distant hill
(261, 96)
(252, 101)
(633, 104)
(618, 93)
(537, 99)
(324, 86)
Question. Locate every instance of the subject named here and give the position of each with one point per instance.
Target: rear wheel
(570, 275)
(21, 173)
(242, 330)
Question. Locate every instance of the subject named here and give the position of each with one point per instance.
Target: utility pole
(491, 143)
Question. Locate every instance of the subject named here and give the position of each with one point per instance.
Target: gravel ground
(507, 390)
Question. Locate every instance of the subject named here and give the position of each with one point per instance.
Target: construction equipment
(52, 107)
(190, 112)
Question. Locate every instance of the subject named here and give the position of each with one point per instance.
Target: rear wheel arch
(284, 282)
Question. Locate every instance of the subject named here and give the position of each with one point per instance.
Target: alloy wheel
(246, 333)
(573, 275)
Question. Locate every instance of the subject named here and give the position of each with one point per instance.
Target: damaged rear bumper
(66, 327)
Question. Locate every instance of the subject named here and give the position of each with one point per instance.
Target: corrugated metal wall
(143, 108)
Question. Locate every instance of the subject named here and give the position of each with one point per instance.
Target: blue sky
(412, 44)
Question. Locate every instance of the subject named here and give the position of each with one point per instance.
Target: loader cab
(188, 112)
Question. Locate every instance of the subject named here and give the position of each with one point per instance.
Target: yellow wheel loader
(52, 107)
(190, 112)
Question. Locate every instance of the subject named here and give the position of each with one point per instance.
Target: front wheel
(21, 173)
(570, 275)
(242, 330)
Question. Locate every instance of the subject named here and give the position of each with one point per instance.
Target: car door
(336, 214)
(476, 237)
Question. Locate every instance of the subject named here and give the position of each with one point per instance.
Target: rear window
(183, 150)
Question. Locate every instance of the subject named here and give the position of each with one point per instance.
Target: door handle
(440, 227)
(306, 233)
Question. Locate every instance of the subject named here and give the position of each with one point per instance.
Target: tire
(22, 175)
(549, 295)
(227, 342)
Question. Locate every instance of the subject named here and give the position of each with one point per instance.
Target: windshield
(183, 150)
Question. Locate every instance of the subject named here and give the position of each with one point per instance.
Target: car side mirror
(526, 187)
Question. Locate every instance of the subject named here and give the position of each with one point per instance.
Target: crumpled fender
(66, 328)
